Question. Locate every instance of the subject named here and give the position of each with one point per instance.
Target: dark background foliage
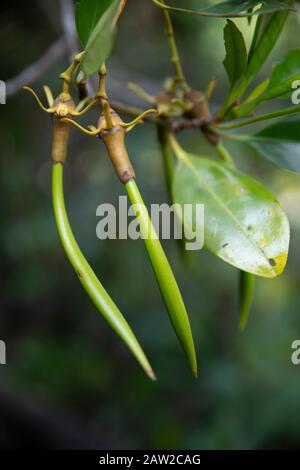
(69, 382)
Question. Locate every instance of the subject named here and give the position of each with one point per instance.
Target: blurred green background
(69, 383)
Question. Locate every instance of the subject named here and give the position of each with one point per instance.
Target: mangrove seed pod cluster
(244, 225)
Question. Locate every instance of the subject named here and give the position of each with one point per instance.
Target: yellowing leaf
(244, 223)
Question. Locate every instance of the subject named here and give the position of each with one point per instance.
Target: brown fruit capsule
(114, 140)
(63, 108)
(60, 138)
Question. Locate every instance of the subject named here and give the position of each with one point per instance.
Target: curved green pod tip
(247, 284)
(87, 277)
(164, 275)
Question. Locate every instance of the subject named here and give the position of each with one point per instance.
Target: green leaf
(100, 43)
(279, 85)
(282, 77)
(235, 61)
(87, 14)
(280, 144)
(245, 8)
(257, 92)
(264, 46)
(244, 223)
(232, 8)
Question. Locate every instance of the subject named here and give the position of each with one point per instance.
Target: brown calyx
(64, 105)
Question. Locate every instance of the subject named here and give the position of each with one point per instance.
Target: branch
(37, 69)
(65, 44)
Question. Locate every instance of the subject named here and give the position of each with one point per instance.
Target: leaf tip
(278, 263)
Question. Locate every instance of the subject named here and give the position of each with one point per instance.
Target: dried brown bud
(198, 105)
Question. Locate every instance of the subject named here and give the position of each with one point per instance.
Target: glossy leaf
(87, 15)
(256, 33)
(244, 223)
(101, 41)
(282, 77)
(280, 144)
(277, 86)
(231, 8)
(264, 45)
(235, 61)
(164, 275)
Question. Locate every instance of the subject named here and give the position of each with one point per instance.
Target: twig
(37, 68)
(122, 5)
(175, 59)
(181, 124)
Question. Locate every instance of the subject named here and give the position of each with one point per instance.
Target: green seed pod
(114, 139)
(88, 278)
(62, 109)
(95, 290)
(164, 275)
